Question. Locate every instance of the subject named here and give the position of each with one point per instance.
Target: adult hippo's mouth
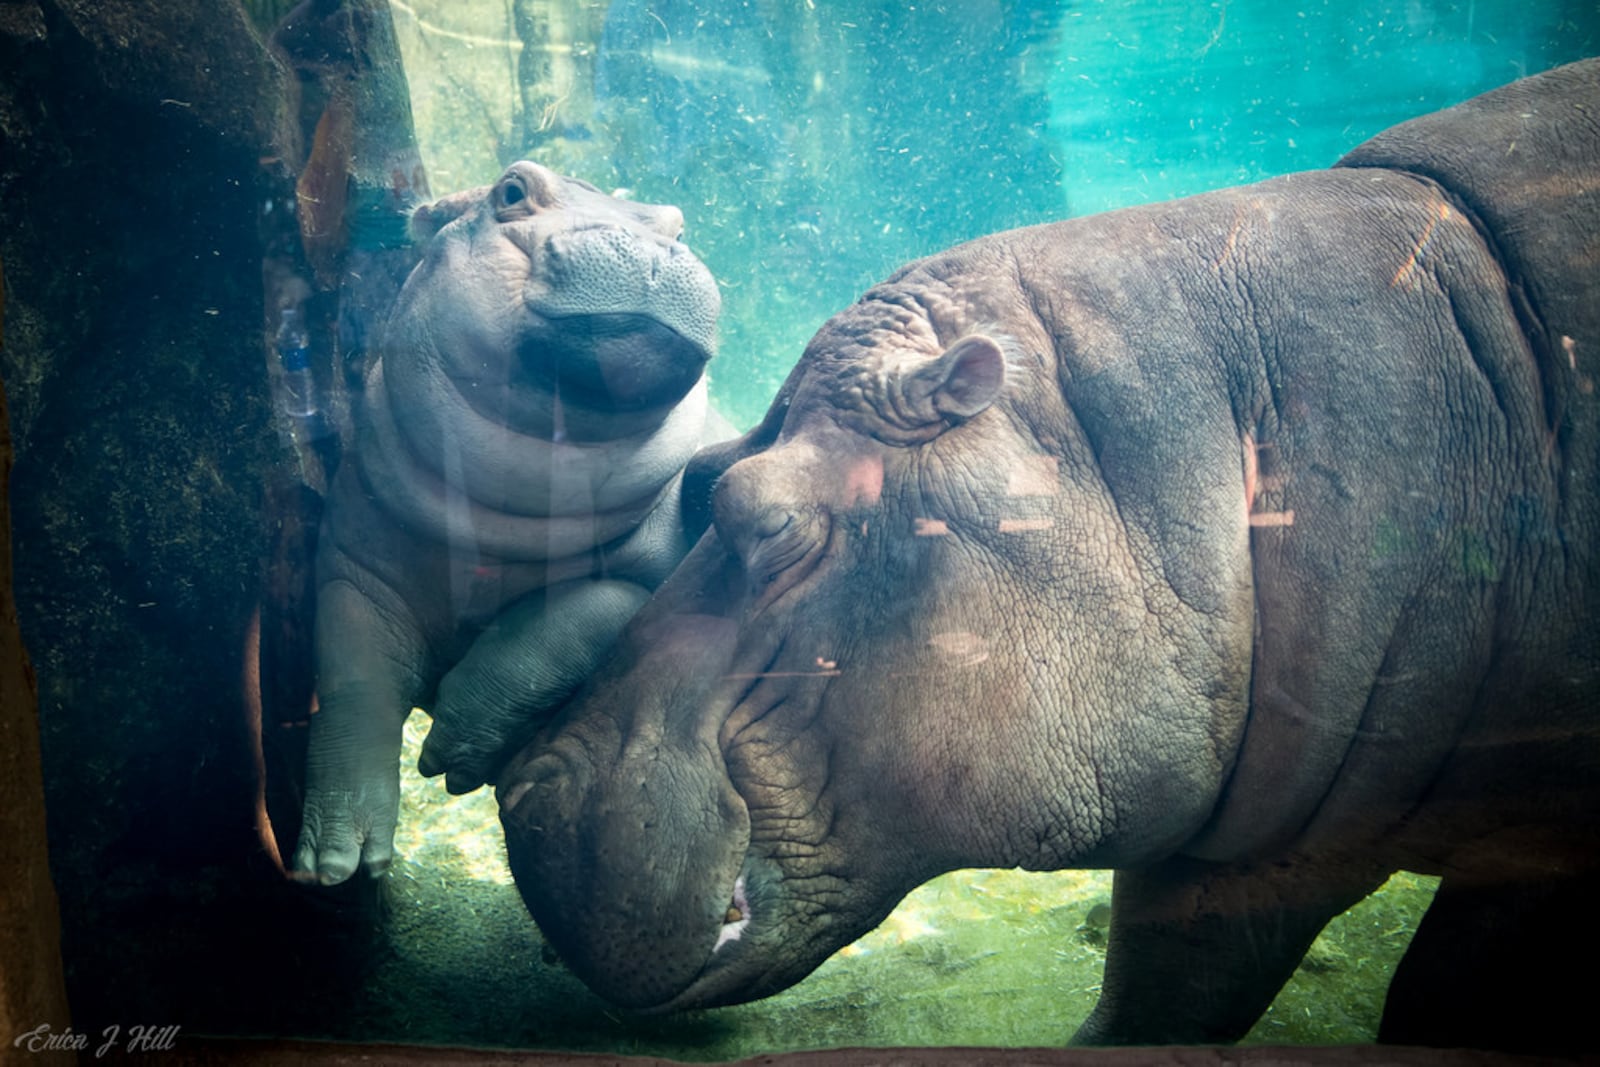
(671, 927)
(629, 831)
(637, 902)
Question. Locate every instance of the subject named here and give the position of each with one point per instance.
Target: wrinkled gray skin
(1243, 544)
(513, 492)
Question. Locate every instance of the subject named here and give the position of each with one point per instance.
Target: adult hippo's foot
(531, 659)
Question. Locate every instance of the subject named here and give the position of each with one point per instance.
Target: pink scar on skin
(863, 482)
(1024, 525)
(961, 647)
(1033, 476)
(1253, 484)
(1441, 213)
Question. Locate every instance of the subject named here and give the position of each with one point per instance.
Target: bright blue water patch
(1155, 101)
(816, 148)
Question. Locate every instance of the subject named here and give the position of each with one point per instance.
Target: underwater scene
(703, 530)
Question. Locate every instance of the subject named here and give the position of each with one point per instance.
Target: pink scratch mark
(863, 482)
(1252, 468)
(1033, 476)
(961, 647)
(1024, 525)
(1441, 212)
(1253, 485)
(929, 528)
(1233, 239)
(784, 674)
(824, 669)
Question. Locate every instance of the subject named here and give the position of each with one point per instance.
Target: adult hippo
(1243, 544)
(513, 493)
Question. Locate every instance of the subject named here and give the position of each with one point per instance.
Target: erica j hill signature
(138, 1038)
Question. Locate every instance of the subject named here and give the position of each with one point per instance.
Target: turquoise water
(814, 148)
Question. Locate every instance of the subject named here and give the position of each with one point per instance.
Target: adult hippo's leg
(532, 657)
(1500, 963)
(369, 658)
(1197, 950)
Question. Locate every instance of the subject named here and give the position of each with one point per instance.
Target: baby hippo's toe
(344, 831)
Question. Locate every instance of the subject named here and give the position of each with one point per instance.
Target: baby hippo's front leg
(533, 656)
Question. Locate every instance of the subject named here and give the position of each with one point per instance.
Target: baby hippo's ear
(964, 380)
(429, 219)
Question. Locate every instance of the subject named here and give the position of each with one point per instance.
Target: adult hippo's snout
(629, 845)
(675, 831)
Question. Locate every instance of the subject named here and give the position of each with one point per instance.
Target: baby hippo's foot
(344, 827)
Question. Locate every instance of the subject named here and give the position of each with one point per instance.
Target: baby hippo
(512, 494)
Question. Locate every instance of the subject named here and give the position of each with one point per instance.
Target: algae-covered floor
(988, 957)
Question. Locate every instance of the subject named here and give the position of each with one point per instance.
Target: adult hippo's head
(549, 305)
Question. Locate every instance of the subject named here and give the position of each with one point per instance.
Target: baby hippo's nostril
(669, 222)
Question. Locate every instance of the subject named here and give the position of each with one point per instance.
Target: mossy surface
(984, 957)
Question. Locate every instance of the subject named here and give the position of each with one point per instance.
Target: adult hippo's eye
(776, 532)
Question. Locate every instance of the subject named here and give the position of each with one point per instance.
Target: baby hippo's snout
(629, 314)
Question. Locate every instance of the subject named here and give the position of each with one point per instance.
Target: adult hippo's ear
(707, 465)
(429, 219)
(964, 380)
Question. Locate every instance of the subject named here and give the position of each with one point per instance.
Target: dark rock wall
(32, 993)
(132, 146)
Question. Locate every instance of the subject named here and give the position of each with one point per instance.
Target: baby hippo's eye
(512, 198)
(523, 190)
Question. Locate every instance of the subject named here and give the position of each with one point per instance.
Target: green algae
(982, 957)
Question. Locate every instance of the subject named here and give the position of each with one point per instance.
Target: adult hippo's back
(512, 495)
(1244, 544)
